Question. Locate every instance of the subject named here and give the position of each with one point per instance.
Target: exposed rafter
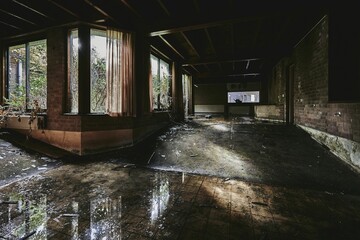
(171, 46)
(65, 9)
(156, 50)
(193, 67)
(218, 60)
(226, 74)
(18, 17)
(100, 10)
(200, 26)
(210, 41)
(163, 7)
(9, 25)
(32, 9)
(190, 44)
(133, 10)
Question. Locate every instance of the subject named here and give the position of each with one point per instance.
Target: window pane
(155, 81)
(244, 97)
(164, 85)
(74, 66)
(37, 74)
(98, 70)
(160, 71)
(17, 77)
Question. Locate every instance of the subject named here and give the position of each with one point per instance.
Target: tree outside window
(97, 71)
(27, 78)
(160, 71)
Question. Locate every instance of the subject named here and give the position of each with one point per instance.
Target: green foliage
(161, 92)
(17, 100)
(98, 82)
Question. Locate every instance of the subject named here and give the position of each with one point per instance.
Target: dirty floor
(201, 179)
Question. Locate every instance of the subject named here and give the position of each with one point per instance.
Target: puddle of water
(25, 211)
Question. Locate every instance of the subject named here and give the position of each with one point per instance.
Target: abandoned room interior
(179, 119)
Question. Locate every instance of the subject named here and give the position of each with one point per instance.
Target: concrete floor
(203, 179)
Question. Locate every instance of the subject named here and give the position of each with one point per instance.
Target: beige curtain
(119, 73)
(151, 100)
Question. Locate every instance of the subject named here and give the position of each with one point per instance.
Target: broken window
(27, 76)
(244, 97)
(161, 81)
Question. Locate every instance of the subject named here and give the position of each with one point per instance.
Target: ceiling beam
(190, 44)
(171, 46)
(18, 17)
(218, 60)
(228, 79)
(226, 74)
(164, 7)
(32, 9)
(171, 30)
(193, 67)
(64, 9)
(156, 50)
(100, 10)
(210, 41)
(10, 25)
(133, 10)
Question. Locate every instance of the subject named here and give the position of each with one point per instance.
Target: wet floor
(249, 182)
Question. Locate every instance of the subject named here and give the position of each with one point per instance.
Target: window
(108, 79)
(244, 97)
(186, 86)
(73, 87)
(97, 74)
(161, 81)
(98, 71)
(27, 76)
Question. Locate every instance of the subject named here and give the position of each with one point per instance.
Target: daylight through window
(27, 76)
(161, 81)
(244, 97)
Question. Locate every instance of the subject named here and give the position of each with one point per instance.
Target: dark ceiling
(223, 40)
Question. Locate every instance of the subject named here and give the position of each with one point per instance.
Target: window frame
(159, 60)
(242, 102)
(6, 58)
(86, 96)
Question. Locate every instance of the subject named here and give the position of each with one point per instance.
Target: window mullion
(27, 75)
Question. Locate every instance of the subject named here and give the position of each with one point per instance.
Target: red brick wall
(57, 77)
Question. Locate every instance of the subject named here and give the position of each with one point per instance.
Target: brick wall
(312, 108)
(57, 77)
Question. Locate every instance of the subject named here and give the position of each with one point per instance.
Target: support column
(142, 69)
(84, 70)
(2, 73)
(177, 92)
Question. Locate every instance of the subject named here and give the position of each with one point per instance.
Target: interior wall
(90, 133)
(334, 124)
(209, 98)
(312, 106)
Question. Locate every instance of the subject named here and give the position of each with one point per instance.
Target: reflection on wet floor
(16, 163)
(223, 180)
(101, 203)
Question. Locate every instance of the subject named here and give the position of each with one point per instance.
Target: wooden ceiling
(225, 40)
